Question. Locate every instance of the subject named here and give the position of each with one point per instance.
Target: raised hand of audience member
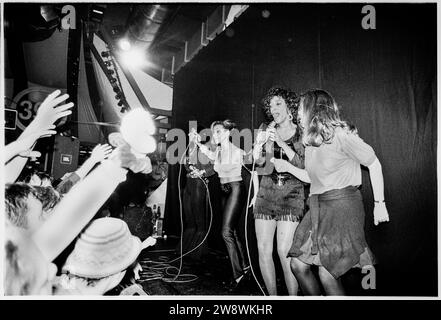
(50, 111)
(24, 144)
(100, 152)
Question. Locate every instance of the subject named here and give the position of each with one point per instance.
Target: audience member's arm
(13, 169)
(23, 145)
(48, 113)
(99, 153)
(79, 206)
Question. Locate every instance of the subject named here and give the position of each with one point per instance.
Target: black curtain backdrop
(385, 82)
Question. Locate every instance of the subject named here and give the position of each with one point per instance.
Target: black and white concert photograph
(230, 150)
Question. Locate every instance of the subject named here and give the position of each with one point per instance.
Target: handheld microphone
(263, 135)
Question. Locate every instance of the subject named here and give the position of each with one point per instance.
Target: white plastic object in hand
(137, 128)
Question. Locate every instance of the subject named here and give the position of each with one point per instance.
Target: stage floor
(208, 277)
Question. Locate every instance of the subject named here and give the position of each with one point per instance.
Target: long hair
(321, 116)
(290, 97)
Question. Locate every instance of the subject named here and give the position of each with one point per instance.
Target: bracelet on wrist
(382, 201)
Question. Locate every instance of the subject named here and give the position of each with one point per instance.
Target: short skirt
(332, 232)
(280, 201)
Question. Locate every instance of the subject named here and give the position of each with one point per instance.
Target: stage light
(124, 44)
(266, 13)
(134, 58)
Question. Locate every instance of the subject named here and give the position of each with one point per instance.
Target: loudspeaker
(64, 156)
(10, 119)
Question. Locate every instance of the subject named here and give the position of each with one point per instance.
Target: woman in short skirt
(331, 235)
(280, 200)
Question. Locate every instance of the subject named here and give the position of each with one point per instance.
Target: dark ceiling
(163, 28)
(176, 23)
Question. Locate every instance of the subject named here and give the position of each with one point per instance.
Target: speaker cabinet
(64, 156)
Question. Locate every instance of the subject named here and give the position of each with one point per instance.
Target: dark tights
(233, 201)
(309, 283)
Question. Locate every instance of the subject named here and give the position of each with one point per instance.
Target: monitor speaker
(64, 156)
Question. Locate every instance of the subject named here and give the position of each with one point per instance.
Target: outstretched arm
(48, 113)
(196, 138)
(78, 206)
(205, 150)
(99, 153)
(24, 144)
(377, 181)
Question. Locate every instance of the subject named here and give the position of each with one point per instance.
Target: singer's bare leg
(285, 235)
(265, 230)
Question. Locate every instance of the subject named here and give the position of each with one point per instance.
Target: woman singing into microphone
(228, 160)
(280, 200)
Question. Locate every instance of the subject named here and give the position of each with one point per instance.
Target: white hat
(106, 247)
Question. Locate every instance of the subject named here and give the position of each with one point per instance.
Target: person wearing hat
(67, 220)
(103, 253)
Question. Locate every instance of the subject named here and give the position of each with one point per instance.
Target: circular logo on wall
(27, 102)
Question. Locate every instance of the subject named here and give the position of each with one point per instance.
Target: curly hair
(321, 116)
(291, 99)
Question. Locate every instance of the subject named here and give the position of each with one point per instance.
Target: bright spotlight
(134, 58)
(124, 44)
